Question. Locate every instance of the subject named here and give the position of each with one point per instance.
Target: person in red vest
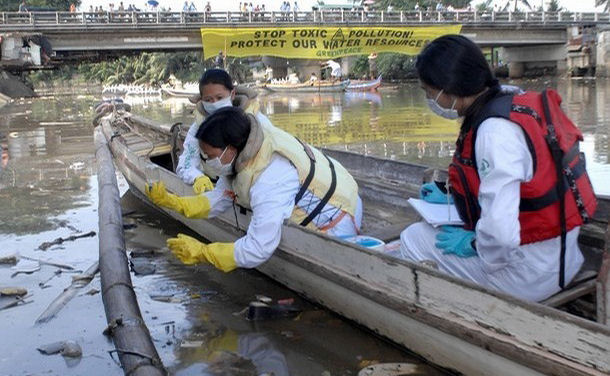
(517, 179)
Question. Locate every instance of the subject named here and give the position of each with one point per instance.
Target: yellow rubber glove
(189, 206)
(191, 251)
(202, 184)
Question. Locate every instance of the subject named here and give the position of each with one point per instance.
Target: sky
(232, 5)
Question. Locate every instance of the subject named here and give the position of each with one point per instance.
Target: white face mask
(447, 113)
(211, 107)
(219, 169)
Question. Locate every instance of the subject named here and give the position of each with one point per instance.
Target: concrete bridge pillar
(602, 68)
(534, 60)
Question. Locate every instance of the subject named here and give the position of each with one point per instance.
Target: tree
(58, 5)
(506, 7)
(604, 3)
(554, 6)
(485, 6)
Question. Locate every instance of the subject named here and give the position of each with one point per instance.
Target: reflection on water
(398, 125)
(46, 163)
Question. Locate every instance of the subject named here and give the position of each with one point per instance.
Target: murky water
(48, 190)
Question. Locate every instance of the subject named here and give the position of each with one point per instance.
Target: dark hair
(216, 76)
(455, 64)
(227, 126)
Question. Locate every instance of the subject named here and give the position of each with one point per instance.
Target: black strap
(327, 196)
(550, 197)
(557, 153)
(312, 171)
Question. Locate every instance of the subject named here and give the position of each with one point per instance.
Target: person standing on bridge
(22, 7)
(520, 232)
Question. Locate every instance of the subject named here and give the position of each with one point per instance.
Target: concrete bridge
(537, 36)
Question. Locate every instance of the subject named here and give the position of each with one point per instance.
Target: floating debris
(264, 299)
(11, 301)
(78, 282)
(46, 245)
(142, 266)
(8, 260)
(261, 311)
(68, 348)
(44, 262)
(26, 270)
(13, 291)
(393, 369)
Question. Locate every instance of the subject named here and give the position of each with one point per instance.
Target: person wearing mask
(503, 180)
(216, 91)
(272, 173)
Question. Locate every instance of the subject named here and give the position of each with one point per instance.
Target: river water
(48, 189)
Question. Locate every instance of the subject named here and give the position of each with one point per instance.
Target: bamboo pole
(131, 337)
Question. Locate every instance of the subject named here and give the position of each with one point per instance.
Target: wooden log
(131, 337)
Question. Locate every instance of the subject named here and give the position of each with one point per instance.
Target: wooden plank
(568, 295)
(603, 285)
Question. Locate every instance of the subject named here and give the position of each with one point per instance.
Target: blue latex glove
(455, 240)
(431, 192)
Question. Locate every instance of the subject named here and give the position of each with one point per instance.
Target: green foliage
(410, 4)
(554, 6)
(486, 6)
(390, 65)
(58, 5)
(145, 69)
(604, 3)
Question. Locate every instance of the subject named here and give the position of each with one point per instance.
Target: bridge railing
(30, 20)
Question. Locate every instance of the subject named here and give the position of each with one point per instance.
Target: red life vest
(539, 210)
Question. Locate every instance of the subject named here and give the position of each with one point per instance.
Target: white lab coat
(272, 201)
(189, 162)
(529, 271)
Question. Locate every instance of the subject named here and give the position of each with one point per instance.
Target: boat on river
(188, 90)
(366, 85)
(452, 323)
(307, 87)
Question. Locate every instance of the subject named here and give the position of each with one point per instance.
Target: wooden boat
(453, 323)
(308, 87)
(370, 85)
(188, 90)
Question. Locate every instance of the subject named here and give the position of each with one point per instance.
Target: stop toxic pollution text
(316, 42)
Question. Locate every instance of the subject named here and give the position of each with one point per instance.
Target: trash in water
(142, 266)
(12, 291)
(144, 252)
(46, 245)
(26, 270)
(8, 260)
(261, 311)
(394, 369)
(167, 298)
(264, 299)
(68, 348)
(9, 301)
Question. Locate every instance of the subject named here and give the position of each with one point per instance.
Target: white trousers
(519, 278)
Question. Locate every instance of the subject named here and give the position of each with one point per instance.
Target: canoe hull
(364, 86)
(308, 88)
(452, 323)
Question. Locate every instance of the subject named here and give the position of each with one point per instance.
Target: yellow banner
(314, 42)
